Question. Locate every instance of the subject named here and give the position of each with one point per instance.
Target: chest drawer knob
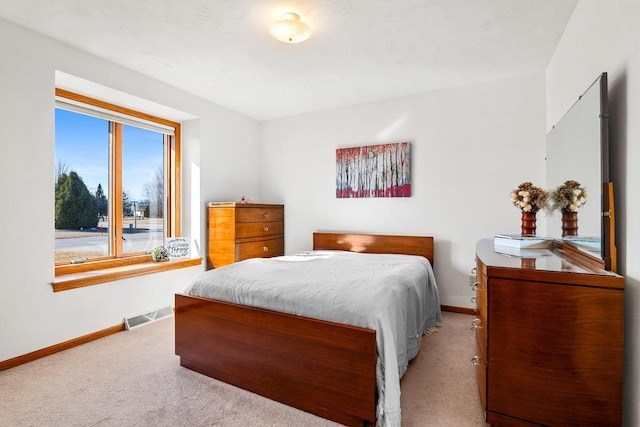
(476, 360)
(265, 248)
(475, 286)
(475, 324)
(265, 215)
(473, 300)
(266, 228)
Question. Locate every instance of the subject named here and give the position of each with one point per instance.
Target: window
(116, 184)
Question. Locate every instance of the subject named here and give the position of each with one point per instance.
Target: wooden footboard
(320, 367)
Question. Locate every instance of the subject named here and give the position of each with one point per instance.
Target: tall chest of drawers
(549, 340)
(238, 231)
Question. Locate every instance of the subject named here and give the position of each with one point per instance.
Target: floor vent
(146, 318)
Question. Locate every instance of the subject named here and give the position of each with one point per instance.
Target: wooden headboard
(375, 243)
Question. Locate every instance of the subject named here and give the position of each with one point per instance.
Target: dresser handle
(473, 300)
(474, 270)
(266, 228)
(475, 360)
(475, 324)
(475, 286)
(266, 215)
(265, 249)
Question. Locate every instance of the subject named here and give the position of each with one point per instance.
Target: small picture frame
(179, 247)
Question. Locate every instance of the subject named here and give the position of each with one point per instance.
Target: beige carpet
(134, 379)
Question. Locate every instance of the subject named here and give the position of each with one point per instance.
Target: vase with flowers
(568, 198)
(529, 199)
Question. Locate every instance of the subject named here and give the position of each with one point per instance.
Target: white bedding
(394, 294)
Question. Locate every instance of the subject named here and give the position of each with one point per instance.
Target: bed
(323, 367)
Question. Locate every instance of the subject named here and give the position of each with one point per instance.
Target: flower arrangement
(569, 197)
(159, 254)
(529, 198)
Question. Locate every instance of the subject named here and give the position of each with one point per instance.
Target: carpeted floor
(134, 379)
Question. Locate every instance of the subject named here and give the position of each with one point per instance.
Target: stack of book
(523, 246)
(587, 243)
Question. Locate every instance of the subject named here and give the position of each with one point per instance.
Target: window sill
(65, 282)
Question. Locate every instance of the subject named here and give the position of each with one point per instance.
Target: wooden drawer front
(481, 295)
(260, 249)
(259, 229)
(259, 214)
(504, 421)
(481, 374)
(480, 326)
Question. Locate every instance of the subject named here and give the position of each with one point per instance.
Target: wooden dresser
(238, 231)
(550, 340)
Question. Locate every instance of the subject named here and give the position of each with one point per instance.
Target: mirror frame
(608, 252)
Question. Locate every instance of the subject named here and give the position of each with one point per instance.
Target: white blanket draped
(394, 294)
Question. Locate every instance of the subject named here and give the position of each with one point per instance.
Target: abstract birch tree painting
(374, 171)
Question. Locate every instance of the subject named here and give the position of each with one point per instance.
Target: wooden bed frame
(324, 368)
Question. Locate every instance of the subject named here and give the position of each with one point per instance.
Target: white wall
(603, 37)
(32, 317)
(470, 146)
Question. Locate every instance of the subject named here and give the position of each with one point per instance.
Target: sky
(82, 144)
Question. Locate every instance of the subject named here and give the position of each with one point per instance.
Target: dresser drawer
(259, 214)
(481, 294)
(259, 229)
(481, 374)
(260, 249)
(480, 326)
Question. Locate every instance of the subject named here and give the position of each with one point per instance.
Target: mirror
(578, 149)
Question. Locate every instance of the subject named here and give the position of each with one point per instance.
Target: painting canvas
(374, 171)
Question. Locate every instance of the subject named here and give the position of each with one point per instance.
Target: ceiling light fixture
(290, 29)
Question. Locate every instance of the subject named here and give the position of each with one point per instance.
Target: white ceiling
(360, 50)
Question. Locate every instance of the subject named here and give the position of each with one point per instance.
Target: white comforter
(394, 294)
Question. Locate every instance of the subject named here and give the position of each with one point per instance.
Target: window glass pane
(81, 186)
(143, 189)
